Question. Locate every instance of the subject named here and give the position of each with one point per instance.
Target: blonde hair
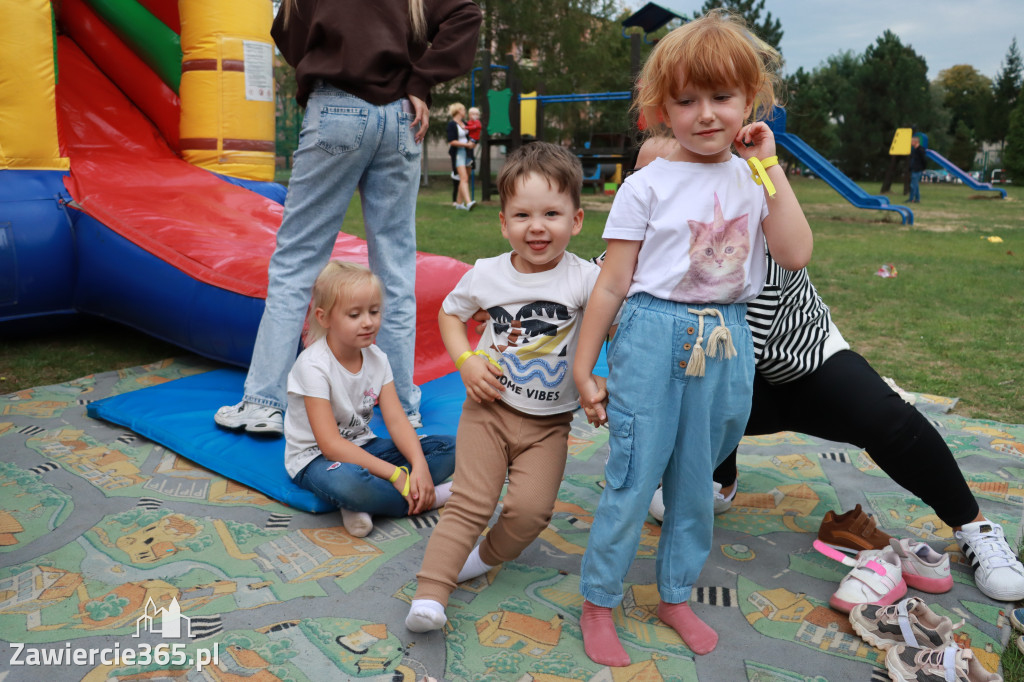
(332, 287)
(556, 164)
(417, 18)
(456, 107)
(714, 51)
(473, 110)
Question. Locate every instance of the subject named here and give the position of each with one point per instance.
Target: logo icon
(170, 619)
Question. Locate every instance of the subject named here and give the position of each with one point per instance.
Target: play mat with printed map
(105, 535)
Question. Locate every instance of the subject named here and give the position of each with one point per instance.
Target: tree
(1013, 152)
(888, 89)
(565, 46)
(968, 96)
(809, 111)
(769, 30)
(1005, 91)
(964, 148)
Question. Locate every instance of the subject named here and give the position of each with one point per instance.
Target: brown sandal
(852, 531)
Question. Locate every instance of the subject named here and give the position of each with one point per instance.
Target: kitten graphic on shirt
(718, 254)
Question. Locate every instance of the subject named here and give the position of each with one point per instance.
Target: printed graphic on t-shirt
(357, 423)
(718, 256)
(532, 344)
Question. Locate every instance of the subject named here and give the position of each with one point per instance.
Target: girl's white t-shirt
(318, 374)
(700, 225)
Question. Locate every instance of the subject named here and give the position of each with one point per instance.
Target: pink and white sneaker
(923, 568)
(874, 578)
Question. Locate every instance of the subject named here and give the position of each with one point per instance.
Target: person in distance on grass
(332, 388)
(520, 395)
(686, 239)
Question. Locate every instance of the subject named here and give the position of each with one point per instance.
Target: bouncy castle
(136, 154)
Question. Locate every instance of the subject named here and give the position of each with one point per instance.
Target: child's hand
(593, 398)
(481, 379)
(760, 138)
(421, 493)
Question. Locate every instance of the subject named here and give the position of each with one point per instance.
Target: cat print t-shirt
(700, 224)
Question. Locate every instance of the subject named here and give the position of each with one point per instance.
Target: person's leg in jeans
(352, 487)
(846, 401)
(388, 190)
(915, 187)
(328, 164)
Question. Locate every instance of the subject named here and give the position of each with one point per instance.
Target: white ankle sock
(358, 524)
(442, 493)
(425, 615)
(474, 566)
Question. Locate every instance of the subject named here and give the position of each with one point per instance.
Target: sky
(944, 32)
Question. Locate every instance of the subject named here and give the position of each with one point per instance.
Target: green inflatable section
(156, 44)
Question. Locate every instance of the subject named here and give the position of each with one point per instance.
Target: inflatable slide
(136, 146)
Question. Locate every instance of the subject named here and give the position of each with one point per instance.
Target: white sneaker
(461, 207)
(723, 503)
(470, 205)
(997, 571)
(252, 417)
(455, 176)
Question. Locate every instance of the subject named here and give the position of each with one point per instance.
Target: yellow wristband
(758, 169)
(408, 482)
(482, 353)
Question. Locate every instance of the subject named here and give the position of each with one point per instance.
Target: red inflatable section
(124, 175)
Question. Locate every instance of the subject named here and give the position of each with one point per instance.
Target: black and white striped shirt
(791, 326)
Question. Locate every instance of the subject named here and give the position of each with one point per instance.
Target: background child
(473, 125)
(520, 394)
(332, 387)
(685, 245)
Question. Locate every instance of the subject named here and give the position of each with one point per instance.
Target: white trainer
(997, 571)
(722, 503)
(251, 417)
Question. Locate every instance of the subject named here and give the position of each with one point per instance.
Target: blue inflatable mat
(179, 416)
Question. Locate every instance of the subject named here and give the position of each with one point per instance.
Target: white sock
(425, 615)
(442, 493)
(474, 566)
(358, 524)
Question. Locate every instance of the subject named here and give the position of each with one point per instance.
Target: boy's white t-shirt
(666, 203)
(318, 374)
(534, 326)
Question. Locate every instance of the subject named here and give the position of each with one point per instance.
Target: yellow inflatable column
(28, 104)
(227, 87)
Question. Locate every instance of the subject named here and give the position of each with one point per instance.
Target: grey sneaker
(909, 621)
(997, 572)
(952, 664)
(251, 417)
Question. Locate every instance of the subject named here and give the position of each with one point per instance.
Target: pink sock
(695, 633)
(600, 640)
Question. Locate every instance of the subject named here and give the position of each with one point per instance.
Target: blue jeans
(352, 487)
(915, 186)
(670, 427)
(345, 143)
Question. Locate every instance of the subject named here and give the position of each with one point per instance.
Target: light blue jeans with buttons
(345, 144)
(665, 427)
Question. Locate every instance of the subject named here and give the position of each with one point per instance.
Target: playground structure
(133, 185)
(838, 180)
(961, 175)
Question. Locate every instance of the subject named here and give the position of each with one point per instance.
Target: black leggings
(846, 401)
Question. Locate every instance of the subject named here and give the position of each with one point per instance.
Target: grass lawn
(949, 324)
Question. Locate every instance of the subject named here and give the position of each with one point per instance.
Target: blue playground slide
(846, 187)
(964, 177)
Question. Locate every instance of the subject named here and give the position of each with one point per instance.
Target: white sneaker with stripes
(997, 571)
